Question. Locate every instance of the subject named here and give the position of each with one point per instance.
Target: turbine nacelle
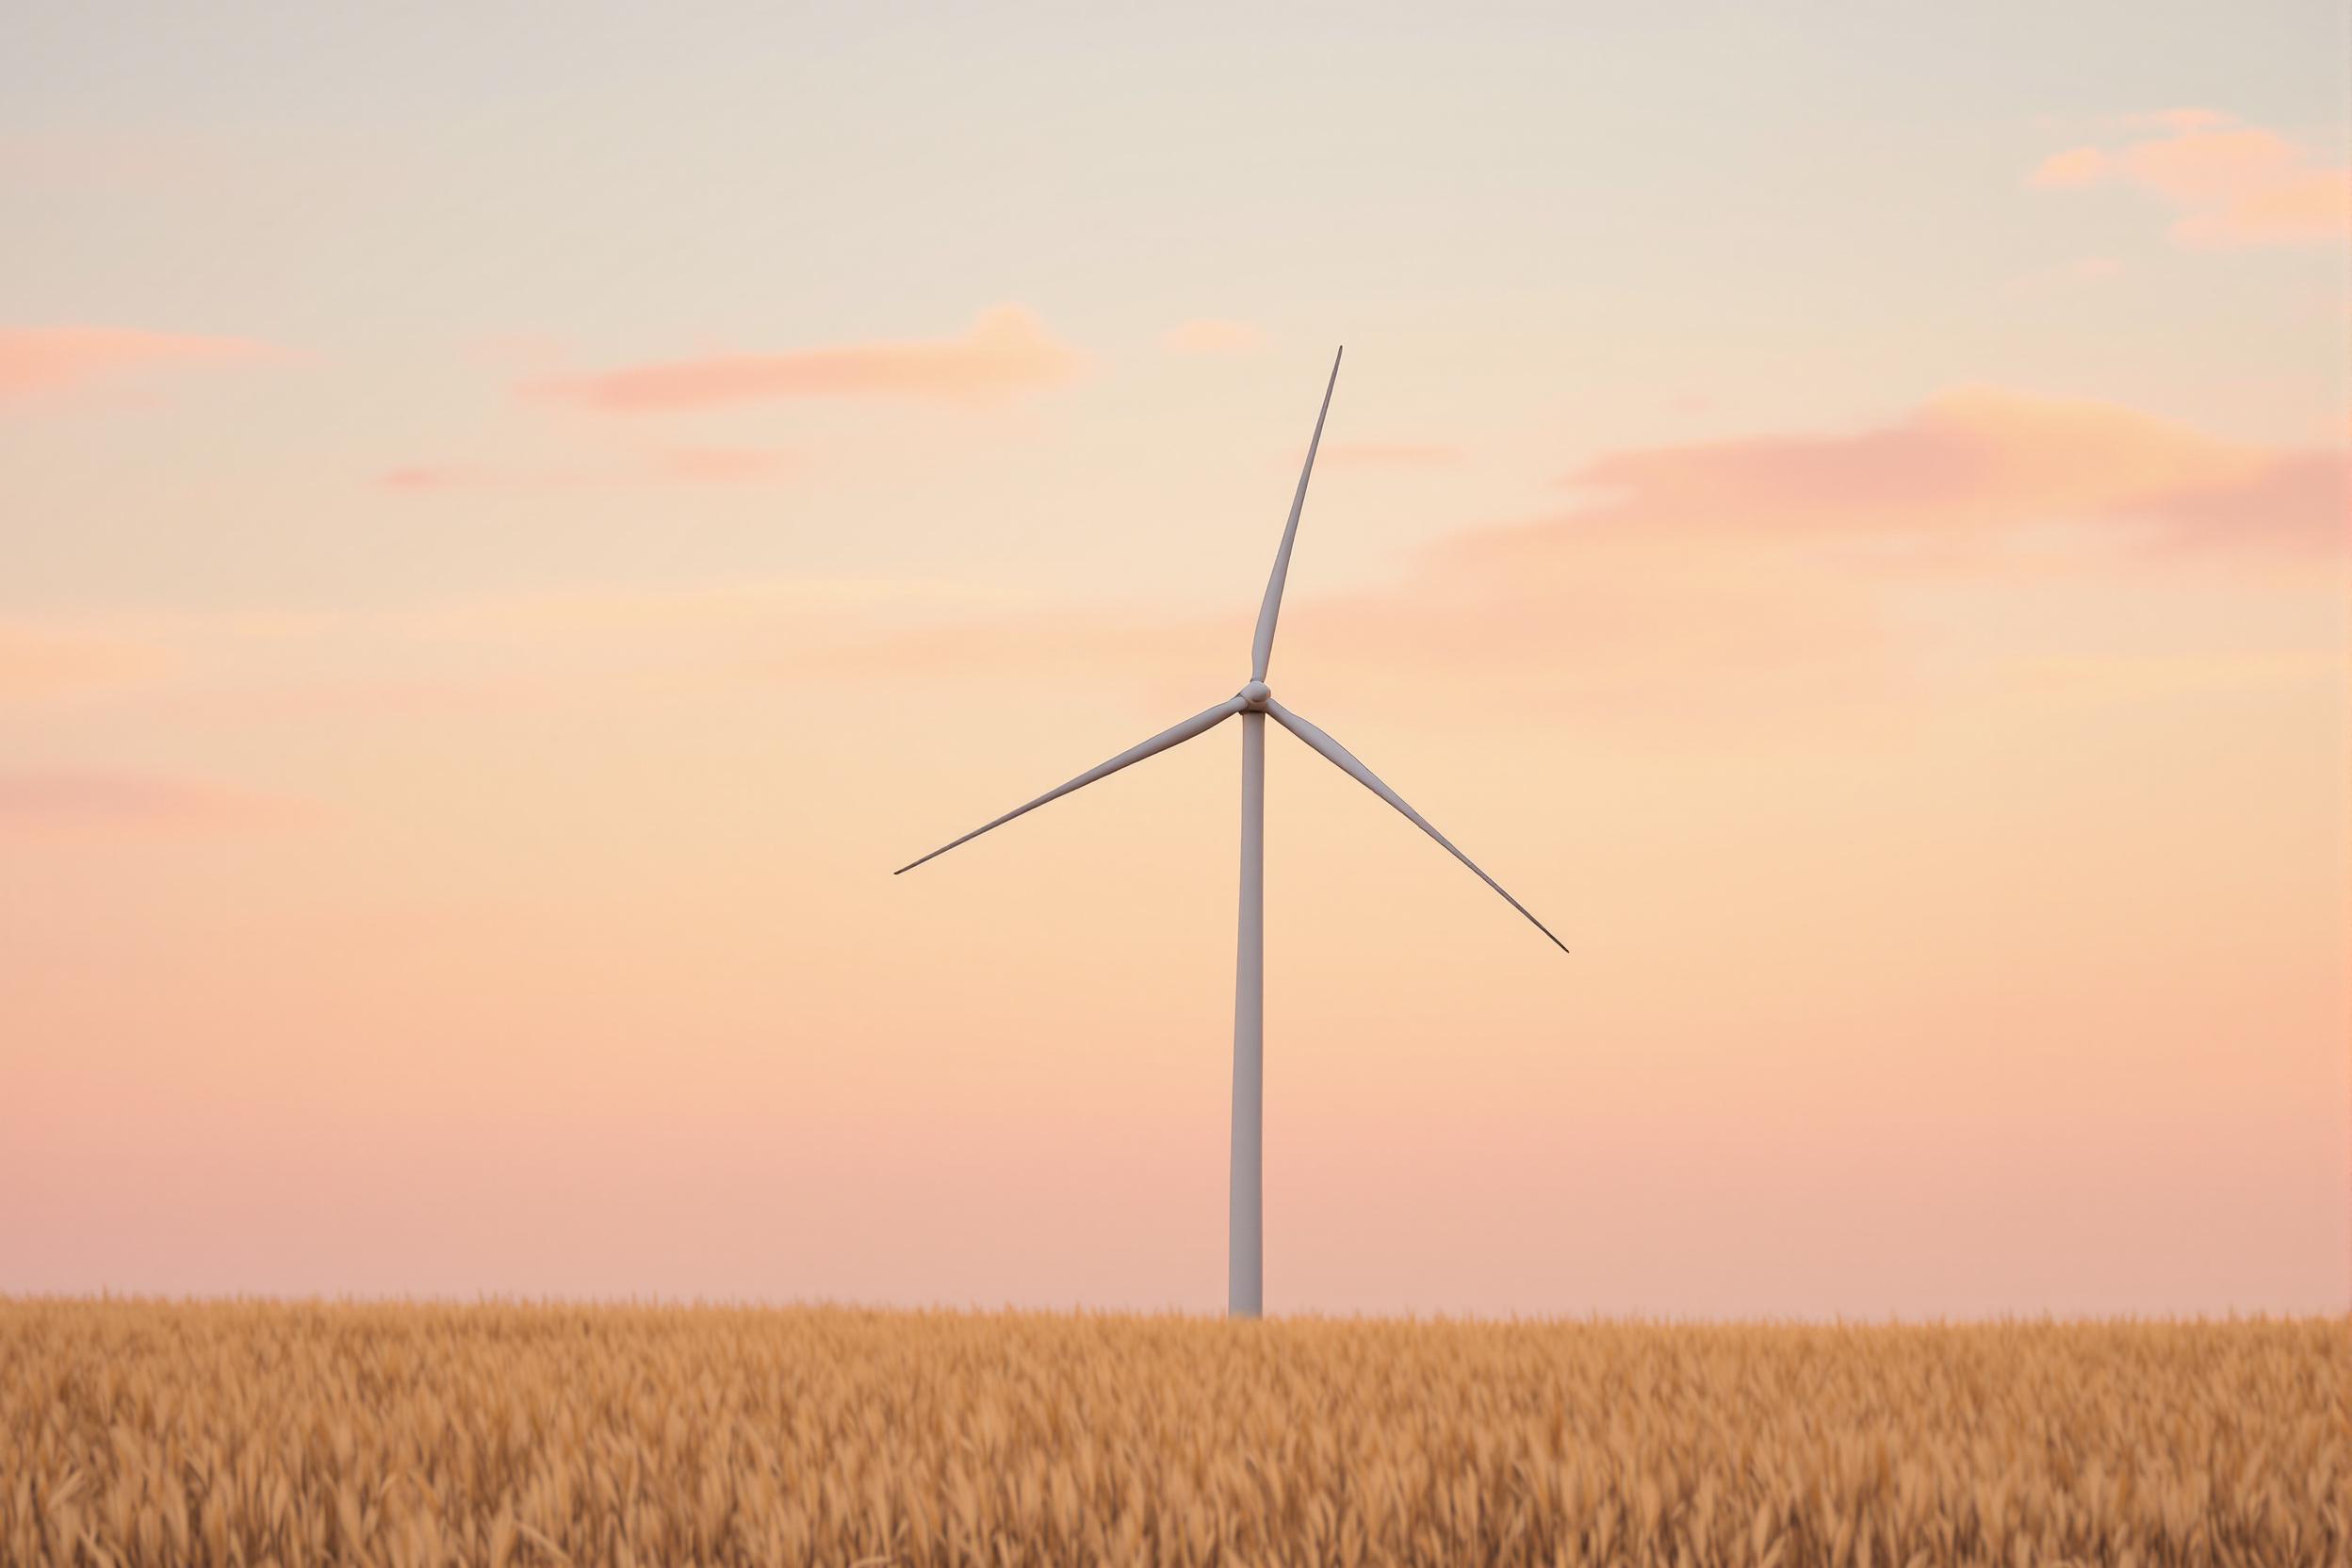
(1254, 697)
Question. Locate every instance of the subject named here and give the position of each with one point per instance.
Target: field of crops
(149, 1433)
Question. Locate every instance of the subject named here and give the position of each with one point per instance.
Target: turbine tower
(1245, 1277)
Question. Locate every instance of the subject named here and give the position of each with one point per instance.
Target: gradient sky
(517, 518)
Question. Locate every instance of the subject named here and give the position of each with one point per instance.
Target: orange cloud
(38, 799)
(1974, 462)
(36, 360)
(2077, 166)
(1210, 335)
(2232, 183)
(1006, 351)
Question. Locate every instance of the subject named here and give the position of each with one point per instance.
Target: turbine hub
(1256, 695)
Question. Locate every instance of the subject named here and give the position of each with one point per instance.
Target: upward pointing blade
(1262, 649)
(1347, 763)
(1175, 735)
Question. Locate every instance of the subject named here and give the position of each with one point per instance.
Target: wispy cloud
(2232, 183)
(1005, 353)
(1211, 335)
(2296, 503)
(39, 360)
(1975, 462)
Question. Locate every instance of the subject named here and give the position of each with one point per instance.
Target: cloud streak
(2232, 183)
(35, 361)
(1974, 463)
(1007, 351)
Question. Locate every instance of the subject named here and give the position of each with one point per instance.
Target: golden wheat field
(147, 1432)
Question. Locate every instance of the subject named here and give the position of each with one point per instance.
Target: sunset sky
(513, 521)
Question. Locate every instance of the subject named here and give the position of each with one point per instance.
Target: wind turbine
(1245, 1275)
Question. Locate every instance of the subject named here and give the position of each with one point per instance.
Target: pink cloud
(78, 799)
(35, 360)
(2230, 183)
(1973, 463)
(1006, 351)
(1211, 335)
(2296, 503)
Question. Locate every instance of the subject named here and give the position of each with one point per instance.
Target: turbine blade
(1261, 649)
(1347, 763)
(1175, 735)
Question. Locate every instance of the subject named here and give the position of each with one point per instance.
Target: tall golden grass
(144, 1432)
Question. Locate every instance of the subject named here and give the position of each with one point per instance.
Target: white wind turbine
(1253, 702)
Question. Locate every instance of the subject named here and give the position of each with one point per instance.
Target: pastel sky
(517, 518)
